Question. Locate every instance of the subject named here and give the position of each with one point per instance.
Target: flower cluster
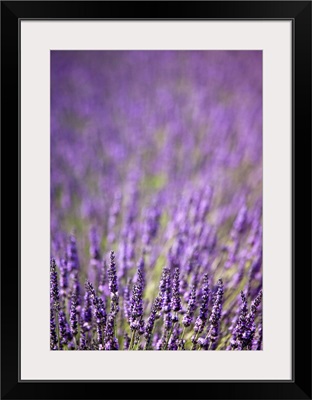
(156, 200)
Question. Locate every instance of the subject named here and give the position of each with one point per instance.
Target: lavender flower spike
(111, 342)
(87, 312)
(112, 274)
(258, 341)
(72, 254)
(215, 317)
(203, 312)
(65, 334)
(237, 341)
(99, 314)
(136, 307)
(187, 319)
(54, 286)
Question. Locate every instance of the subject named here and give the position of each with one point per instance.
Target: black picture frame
(12, 12)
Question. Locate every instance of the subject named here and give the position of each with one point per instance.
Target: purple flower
(165, 289)
(241, 220)
(176, 193)
(54, 286)
(111, 342)
(254, 269)
(238, 341)
(99, 314)
(136, 305)
(100, 319)
(141, 271)
(65, 333)
(151, 225)
(53, 335)
(126, 343)
(87, 311)
(127, 300)
(156, 307)
(112, 275)
(173, 343)
(102, 282)
(63, 277)
(258, 341)
(72, 254)
(159, 344)
(90, 288)
(73, 314)
(202, 343)
(94, 247)
(167, 322)
(82, 341)
(250, 322)
(188, 317)
(203, 311)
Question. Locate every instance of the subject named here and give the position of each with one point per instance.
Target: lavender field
(156, 200)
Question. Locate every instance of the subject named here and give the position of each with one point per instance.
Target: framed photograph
(164, 200)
